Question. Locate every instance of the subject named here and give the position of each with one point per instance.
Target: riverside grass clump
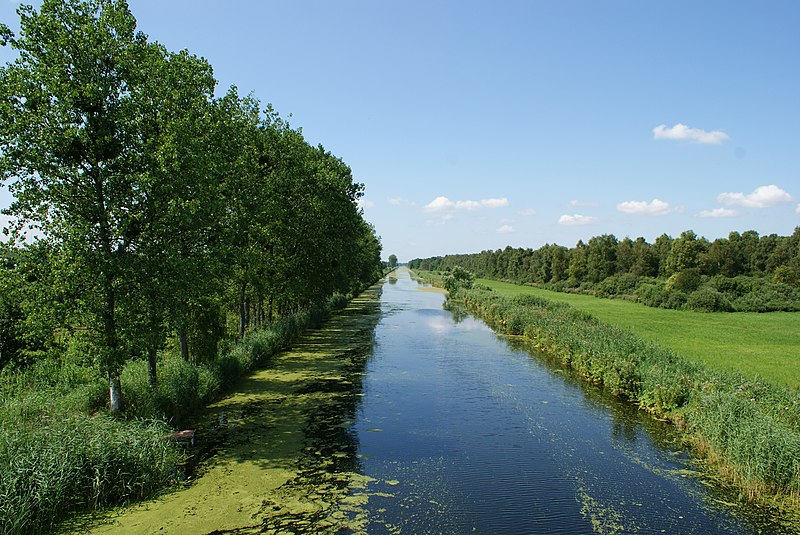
(61, 452)
(747, 429)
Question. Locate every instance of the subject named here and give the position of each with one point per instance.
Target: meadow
(755, 344)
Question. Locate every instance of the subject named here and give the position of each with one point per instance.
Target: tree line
(745, 272)
(146, 208)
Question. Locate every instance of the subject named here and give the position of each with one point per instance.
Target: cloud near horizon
(681, 132)
(400, 201)
(655, 207)
(505, 229)
(441, 204)
(761, 197)
(575, 219)
(718, 212)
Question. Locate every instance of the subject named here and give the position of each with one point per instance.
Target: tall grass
(55, 460)
(750, 429)
(765, 345)
(61, 452)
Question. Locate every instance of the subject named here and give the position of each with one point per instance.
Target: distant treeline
(743, 272)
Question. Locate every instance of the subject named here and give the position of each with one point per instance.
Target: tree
(93, 115)
(601, 257)
(392, 261)
(685, 252)
(577, 262)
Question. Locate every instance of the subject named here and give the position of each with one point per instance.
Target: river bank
(748, 433)
(280, 459)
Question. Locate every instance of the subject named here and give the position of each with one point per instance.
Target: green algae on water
(282, 457)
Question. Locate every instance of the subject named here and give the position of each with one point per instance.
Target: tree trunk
(247, 310)
(184, 344)
(115, 392)
(151, 368)
(269, 312)
(242, 310)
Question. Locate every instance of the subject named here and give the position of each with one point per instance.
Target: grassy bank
(61, 452)
(749, 430)
(765, 345)
(284, 457)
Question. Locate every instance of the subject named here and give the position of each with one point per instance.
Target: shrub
(675, 299)
(652, 295)
(457, 279)
(707, 299)
(687, 280)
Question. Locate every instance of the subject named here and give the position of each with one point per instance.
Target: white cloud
(438, 204)
(494, 203)
(797, 209)
(575, 219)
(655, 207)
(718, 212)
(762, 197)
(505, 229)
(583, 204)
(400, 201)
(682, 132)
(364, 203)
(441, 203)
(527, 212)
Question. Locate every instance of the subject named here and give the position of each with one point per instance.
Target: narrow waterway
(463, 431)
(399, 416)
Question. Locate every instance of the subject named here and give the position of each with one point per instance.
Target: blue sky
(477, 125)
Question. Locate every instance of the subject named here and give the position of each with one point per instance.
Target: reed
(748, 429)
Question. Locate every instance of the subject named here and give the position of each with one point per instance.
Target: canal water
(401, 417)
(459, 430)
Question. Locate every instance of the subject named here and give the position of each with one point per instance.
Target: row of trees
(146, 207)
(684, 261)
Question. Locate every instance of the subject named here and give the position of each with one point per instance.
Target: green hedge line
(750, 429)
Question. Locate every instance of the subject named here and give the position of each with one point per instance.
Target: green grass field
(755, 344)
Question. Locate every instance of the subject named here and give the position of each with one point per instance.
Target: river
(423, 420)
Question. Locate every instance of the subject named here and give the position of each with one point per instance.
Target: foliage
(148, 215)
(753, 343)
(458, 278)
(754, 274)
(54, 460)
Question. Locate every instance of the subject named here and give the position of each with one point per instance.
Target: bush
(687, 280)
(457, 279)
(675, 299)
(652, 295)
(707, 299)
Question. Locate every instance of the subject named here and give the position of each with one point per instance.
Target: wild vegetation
(755, 344)
(162, 241)
(741, 273)
(748, 429)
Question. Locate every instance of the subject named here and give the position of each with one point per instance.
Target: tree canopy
(144, 206)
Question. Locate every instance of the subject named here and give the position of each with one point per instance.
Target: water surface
(465, 431)
(399, 416)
